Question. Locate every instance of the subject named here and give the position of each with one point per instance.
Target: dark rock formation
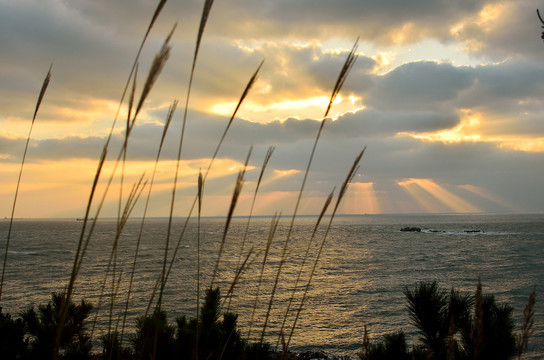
(411, 228)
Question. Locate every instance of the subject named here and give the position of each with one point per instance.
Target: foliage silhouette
(447, 328)
(217, 339)
(154, 338)
(41, 328)
(393, 346)
(12, 337)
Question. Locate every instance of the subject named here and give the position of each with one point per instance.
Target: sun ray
(362, 199)
(487, 195)
(422, 188)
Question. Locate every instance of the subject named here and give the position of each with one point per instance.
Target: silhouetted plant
(41, 328)
(12, 337)
(393, 346)
(216, 339)
(527, 327)
(112, 349)
(154, 338)
(428, 305)
(498, 341)
(258, 351)
(442, 318)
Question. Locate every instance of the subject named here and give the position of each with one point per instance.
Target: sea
(351, 271)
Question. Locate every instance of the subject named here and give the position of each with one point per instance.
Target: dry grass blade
(131, 101)
(157, 66)
(164, 279)
(82, 245)
(310, 242)
(353, 170)
(273, 226)
(348, 64)
(234, 201)
(81, 249)
(169, 117)
(155, 70)
(129, 206)
(125, 145)
(248, 87)
(203, 21)
(45, 84)
(239, 273)
(158, 10)
(477, 334)
(200, 194)
(246, 231)
(527, 327)
(366, 346)
(337, 87)
(134, 68)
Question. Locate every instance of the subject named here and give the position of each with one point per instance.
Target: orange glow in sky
(282, 109)
(361, 199)
(472, 128)
(435, 198)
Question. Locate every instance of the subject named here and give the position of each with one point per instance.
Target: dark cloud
(502, 86)
(418, 85)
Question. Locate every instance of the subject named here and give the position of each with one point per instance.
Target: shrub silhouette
(210, 337)
(439, 316)
(498, 339)
(41, 329)
(12, 337)
(154, 338)
(393, 346)
(112, 348)
(449, 331)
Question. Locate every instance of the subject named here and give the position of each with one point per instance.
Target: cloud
(419, 85)
(443, 91)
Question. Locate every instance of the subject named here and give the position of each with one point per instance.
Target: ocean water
(359, 280)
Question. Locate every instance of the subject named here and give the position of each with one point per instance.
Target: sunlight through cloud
(427, 192)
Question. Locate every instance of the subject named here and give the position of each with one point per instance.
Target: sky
(447, 96)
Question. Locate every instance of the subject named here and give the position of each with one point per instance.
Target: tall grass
(259, 254)
(45, 84)
(115, 275)
(350, 60)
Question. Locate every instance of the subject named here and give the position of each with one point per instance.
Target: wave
(23, 252)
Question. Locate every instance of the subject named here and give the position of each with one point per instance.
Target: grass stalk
(273, 226)
(527, 327)
(45, 84)
(134, 67)
(477, 334)
(162, 280)
(348, 64)
(366, 346)
(129, 206)
(341, 193)
(166, 126)
(246, 231)
(203, 21)
(84, 241)
(234, 201)
(245, 265)
(200, 195)
(306, 254)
